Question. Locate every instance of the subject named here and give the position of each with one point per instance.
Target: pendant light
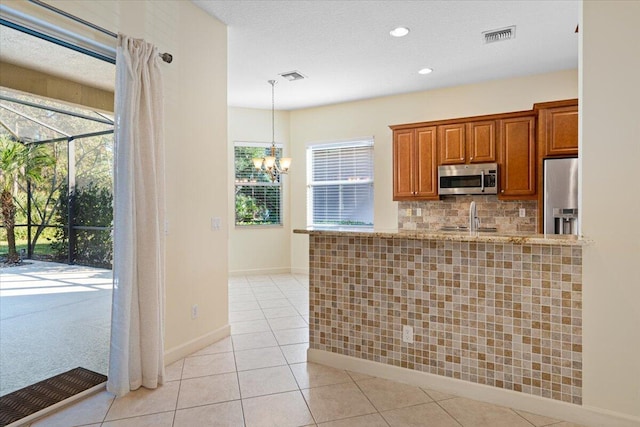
(269, 164)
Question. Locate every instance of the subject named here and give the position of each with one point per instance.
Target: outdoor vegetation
(19, 164)
(257, 198)
(35, 191)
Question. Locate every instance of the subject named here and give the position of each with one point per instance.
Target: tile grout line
(367, 397)
(235, 362)
(104, 418)
(315, 422)
(518, 414)
(447, 412)
(175, 412)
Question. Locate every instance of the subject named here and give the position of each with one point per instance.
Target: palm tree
(17, 161)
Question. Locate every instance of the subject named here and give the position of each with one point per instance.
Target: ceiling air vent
(499, 35)
(293, 76)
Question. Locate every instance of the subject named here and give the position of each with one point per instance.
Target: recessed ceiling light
(425, 71)
(399, 32)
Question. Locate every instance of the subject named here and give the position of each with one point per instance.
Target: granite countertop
(459, 236)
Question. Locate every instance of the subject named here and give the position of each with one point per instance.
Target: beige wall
(610, 150)
(196, 154)
(372, 118)
(259, 249)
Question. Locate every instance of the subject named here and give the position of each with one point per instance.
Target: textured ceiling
(345, 50)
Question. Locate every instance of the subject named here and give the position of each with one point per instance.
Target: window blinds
(341, 184)
(258, 200)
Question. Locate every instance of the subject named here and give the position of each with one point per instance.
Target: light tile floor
(259, 377)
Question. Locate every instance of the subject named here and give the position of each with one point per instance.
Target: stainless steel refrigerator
(561, 196)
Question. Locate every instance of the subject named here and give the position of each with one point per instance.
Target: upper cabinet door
(517, 158)
(451, 144)
(427, 166)
(481, 142)
(561, 131)
(403, 164)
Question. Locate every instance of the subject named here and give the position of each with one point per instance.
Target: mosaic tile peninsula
(495, 309)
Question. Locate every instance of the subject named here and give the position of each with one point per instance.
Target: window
(340, 184)
(258, 199)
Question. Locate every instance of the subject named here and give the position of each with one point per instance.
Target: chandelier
(269, 164)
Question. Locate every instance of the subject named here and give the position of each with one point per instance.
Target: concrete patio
(53, 317)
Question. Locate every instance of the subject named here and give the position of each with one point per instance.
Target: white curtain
(136, 356)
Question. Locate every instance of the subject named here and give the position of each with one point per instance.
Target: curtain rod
(166, 57)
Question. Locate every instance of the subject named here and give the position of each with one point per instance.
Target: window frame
(346, 143)
(277, 184)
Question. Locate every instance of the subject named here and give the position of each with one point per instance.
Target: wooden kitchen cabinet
(415, 164)
(452, 144)
(558, 128)
(557, 137)
(481, 142)
(517, 158)
(467, 142)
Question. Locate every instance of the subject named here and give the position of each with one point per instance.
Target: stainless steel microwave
(481, 178)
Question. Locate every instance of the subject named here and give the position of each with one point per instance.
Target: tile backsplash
(454, 210)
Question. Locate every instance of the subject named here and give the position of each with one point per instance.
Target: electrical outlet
(194, 311)
(408, 212)
(419, 212)
(407, 334)
(523, 212)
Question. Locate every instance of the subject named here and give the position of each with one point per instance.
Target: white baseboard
(304, 271)
(587, 416)
(176, 353)
(259, 271)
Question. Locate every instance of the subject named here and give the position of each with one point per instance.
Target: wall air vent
(499, 35)
(293, 76)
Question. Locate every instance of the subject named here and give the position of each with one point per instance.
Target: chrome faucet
(474, 221)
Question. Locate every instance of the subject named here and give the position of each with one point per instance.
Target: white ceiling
(345, 50)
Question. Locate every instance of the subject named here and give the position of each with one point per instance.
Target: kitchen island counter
(499, 310)
(456, 236)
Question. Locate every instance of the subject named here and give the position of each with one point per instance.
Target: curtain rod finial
(167, 57)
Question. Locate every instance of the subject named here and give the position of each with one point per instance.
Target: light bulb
(269, 161)
(285, 162)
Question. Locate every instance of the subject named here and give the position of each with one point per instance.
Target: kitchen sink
(487, 229)
(465, 228)
(454, 228)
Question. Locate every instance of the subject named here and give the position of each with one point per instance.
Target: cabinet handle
(502, 191)
(470, 158)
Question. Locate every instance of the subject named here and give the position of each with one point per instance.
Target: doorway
(55, 303)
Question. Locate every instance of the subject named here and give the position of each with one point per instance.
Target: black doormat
(36, 397)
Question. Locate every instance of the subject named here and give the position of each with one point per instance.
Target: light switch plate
(215, 223)
(523, 212)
